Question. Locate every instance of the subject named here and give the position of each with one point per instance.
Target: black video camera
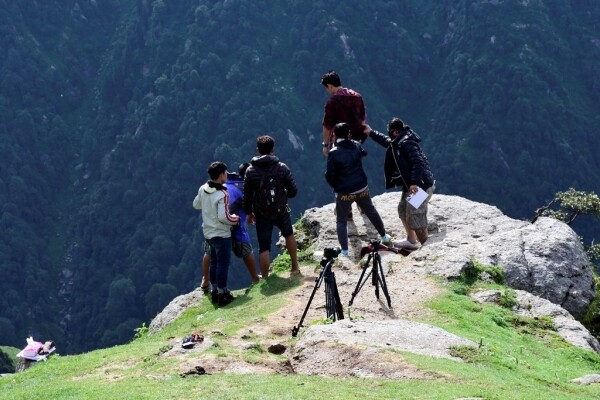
(331, 252)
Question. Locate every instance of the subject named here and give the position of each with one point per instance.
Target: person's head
(242, 169)
(396, 127)
(217, 171)
(341, 130)
(265, 144)
(331, 81)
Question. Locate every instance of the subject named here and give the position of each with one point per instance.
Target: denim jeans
(220, 256)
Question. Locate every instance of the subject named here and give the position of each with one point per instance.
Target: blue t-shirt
(236, 194)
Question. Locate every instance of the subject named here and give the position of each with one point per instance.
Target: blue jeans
(220, 256)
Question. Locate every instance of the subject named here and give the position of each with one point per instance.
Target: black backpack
(271, 196)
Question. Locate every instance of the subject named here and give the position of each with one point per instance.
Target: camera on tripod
(331, 252)
(333, 305)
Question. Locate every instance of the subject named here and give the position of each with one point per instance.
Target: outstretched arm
(377, 137)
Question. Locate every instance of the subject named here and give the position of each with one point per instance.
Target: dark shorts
(264, 229)
(241, 249)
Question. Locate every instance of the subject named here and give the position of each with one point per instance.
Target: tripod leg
(382, 282)
(338, 303)
(376, 262)
(329, 301)
(360, 282)
(332, 298)
(319, 279)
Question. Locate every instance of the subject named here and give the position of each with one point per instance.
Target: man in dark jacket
(346, 176)
(408, 168)
(270, 209)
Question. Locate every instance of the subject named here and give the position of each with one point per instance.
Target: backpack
(271, 197)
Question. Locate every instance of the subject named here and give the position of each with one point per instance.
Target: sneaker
(406, 244)
(225, 298)
(187, 342)
(344, 253)
(386, 239)
(214, 296)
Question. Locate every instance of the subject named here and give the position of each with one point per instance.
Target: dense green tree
(110, 112)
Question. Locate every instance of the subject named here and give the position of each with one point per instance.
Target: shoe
(406, 244)
(205, 289)
(187, 342)
(386, 239)
(214, 296)
(225, 298)
(344, 253)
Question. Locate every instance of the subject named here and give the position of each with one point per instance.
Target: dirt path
(408, 288)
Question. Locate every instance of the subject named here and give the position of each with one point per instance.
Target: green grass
(518, 358)
(11, 353)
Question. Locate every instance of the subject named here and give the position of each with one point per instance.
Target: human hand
(413, 189)
(367, 129)
(250, 219)
(235, 217)
(325, 151)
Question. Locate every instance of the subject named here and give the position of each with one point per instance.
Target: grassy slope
(12, 353)
(514, 363)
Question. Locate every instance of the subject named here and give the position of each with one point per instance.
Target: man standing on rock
(407, 167)
(240, 240)
(344, 105)
(346, 176)
(267, 186)
(213, 200)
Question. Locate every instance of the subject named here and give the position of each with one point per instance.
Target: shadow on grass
(272, 285)
(276, 284)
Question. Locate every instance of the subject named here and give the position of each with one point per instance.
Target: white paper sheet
(416, 199)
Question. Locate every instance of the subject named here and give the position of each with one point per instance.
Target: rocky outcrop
(544, 262)
(529, 305)
(398, 335)
(545, 258)
(175, 308)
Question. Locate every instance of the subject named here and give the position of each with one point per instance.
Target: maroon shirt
(346, 105)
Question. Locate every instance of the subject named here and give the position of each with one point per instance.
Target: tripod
(333, 305)
(378, 278)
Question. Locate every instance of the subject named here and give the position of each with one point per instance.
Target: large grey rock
(545, 258)
(175, 308)
(370, 348)
(587, 379)
(399, 335)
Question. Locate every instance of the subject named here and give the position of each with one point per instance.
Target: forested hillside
(110, 112)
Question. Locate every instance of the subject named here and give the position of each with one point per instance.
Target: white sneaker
(406, 244)
(344, 253)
